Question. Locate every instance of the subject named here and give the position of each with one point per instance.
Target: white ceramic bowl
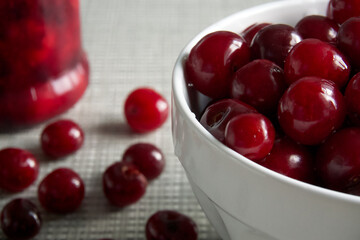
(242, 199)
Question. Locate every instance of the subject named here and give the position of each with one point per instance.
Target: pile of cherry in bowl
(287, 97)
(62, 191)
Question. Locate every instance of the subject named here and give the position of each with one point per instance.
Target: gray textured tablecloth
(130, 43)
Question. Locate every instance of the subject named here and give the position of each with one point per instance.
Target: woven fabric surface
(130, 43)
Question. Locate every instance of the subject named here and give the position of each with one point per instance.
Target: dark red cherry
(352, 99)
(274, 42)
(18, 169)
(290, 159)
(123, 184)
(218, 114)
(148, 159)
(213, 61)
(249, 33)
(61, 138)
(250, 134)
(318, 27)
(61, 191)
(167, 224)
(20, 219)
(145, 110)
(341, 10)
(338, 161)
(348, 40)
(260, 84)
(310, 110)
(312, 57)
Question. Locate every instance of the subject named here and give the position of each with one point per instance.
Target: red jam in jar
(43, 68)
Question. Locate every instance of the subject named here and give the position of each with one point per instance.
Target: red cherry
(290, 159)
(18, 169)
(348, 40)
(341, 10)
(61, 138)
(352, 99)
(213, 61)
(218, 114)
(312, 57)
(310, 110)
(123, 184)
(147, 158)
(20, 219)
(250, 134)
(61, 191)
(145, 110)
(318, 27)
(274, 42)
(260, 84)
(338, 161)
(249, 33)
(167, 224)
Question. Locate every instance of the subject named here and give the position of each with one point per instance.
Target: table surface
(130, 44)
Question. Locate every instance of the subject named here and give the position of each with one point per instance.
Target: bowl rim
(178, 96)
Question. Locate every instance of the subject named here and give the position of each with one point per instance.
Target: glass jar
(43, 67)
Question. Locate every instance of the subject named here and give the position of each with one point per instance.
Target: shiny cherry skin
(250, 134)
(18, 169)
(348, 40)
(260, 84)
(313, 57)
(342, 10)
(168, 224)
(318, 27)
(290, 159)
(145, 110)
(20, 219)
(61, 138)
(61, 191)
(218, 114)
(213, 61)
(123, 184)
(310, 110)
(148, 159)
(338, 161)
(352, 99)
(249, 33)
(274, 42)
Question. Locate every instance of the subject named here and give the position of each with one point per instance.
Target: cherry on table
(260, 84)
(250, 134)
(218, 114)
(123, 184)
(338, 161)
(213, 61)
(310, 110)
(318, 27)
(61, 138)
(18, 169)
(274, 42)
(20, 219)
(290, 159)
(61, 191)
(313, 57)
(145, 110)
(149, 159)
(168, 224)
